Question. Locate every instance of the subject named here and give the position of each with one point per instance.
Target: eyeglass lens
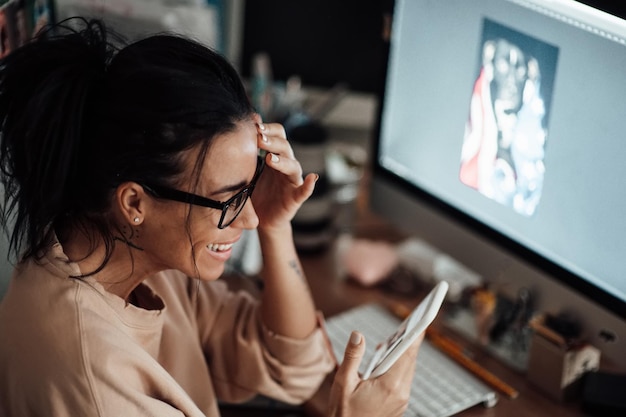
(234, 208)
(238, 201)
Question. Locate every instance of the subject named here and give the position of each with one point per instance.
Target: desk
(333, 295)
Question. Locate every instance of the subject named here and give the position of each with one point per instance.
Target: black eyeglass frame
(245, 193)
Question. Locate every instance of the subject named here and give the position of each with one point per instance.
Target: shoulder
(40, 329)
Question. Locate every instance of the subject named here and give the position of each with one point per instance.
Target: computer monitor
(501, 141)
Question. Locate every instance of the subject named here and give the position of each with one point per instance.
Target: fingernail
(317, 177)
(263, 138)
(275, 158)
(261, 126)
(355, 338)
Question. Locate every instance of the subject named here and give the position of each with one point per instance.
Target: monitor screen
(501, 141)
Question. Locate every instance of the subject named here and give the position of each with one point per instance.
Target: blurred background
(315, 66)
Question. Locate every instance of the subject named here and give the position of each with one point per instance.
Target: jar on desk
(314, 224)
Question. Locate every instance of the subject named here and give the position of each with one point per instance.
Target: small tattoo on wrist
(296, 267)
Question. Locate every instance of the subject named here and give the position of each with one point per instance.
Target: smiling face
(180, 236)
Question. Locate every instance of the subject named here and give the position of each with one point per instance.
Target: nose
(248, 218)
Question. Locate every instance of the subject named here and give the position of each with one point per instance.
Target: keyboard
(441, 387)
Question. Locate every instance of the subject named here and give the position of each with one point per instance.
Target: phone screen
(412, 327)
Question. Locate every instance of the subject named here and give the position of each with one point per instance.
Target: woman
(127, 176)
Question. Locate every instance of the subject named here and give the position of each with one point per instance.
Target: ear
(130, 200)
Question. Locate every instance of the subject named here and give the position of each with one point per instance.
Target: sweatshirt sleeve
(245, 358)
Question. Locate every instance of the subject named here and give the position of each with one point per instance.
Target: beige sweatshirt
(69, 348)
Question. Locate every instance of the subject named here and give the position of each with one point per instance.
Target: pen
(455, 352)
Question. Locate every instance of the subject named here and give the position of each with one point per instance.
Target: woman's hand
(281, 190)
(384, 396)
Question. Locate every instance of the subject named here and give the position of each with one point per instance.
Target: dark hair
(82, 111)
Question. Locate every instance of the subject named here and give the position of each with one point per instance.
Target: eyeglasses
(230, 208)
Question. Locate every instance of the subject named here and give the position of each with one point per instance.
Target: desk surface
(333, 294)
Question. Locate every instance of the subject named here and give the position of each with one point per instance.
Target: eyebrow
(235, 187)
(230, 188)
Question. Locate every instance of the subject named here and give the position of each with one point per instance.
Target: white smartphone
(411, 328)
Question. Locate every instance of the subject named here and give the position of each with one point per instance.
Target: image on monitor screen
(504, 142)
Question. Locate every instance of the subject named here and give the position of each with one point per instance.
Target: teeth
(218, 248)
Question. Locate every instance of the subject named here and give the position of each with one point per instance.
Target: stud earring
(136, 219)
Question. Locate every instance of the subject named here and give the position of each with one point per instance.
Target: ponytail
(81, 112)
(49, 89)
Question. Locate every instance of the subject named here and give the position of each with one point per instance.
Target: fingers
(404, 369)
(387, 394)
(308, 187)
(348, 373)
(273, 139)
(289, 167)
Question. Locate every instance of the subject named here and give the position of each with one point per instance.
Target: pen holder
(557, 369)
